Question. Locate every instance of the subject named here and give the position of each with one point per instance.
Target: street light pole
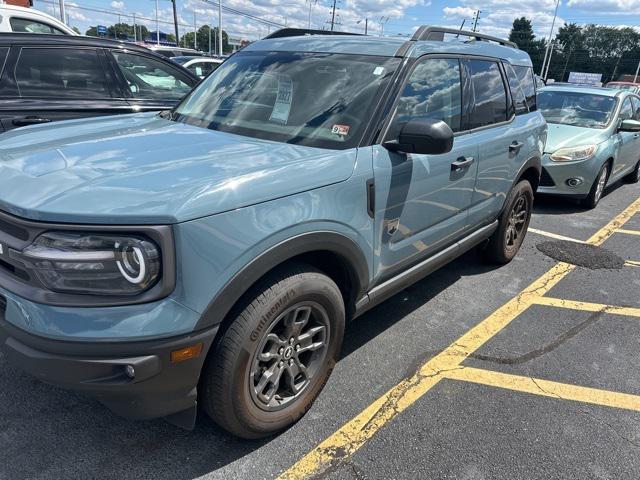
(157, 24)
(635, 79)
(175, 22)
(546, 52)
(62, 15)
(219, 28)
(195, 31)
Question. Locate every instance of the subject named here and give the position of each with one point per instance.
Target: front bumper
(556, 175)
(159, 388)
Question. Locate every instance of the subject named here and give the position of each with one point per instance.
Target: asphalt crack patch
(581, 254)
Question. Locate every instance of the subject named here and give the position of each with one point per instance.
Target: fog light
(574, 182)
(130, 371)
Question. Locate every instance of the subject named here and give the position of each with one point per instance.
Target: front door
(422, 200)
(628, 144)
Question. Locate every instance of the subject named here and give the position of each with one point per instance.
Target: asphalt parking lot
(524, 371)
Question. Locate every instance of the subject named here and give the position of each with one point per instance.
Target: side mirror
(629, 126)
(423, 136)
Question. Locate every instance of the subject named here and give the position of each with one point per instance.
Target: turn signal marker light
(186, 353)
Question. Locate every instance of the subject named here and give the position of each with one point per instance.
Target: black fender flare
(336, 243)
(535, 162)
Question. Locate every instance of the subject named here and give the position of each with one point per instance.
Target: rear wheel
(276, 355)
(513, 224)
(597, 189)
(634, 177)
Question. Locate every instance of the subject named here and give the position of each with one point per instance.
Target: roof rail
(299, 32)
(426, 32)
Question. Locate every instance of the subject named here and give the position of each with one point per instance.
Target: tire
(505, 242)
(634, 177)
(597, 189)
(293, 318)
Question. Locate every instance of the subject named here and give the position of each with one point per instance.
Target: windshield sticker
(282, 107)
(378, 71)
(341, 130)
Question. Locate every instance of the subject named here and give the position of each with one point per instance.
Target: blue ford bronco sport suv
(210, 255)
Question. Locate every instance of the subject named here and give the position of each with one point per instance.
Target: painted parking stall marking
(347, 440)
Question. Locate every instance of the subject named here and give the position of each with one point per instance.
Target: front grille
(545, 179)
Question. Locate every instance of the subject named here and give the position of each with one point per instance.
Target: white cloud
(117, 5)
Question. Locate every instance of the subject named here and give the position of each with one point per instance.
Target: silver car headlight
(573, 153)
(93, 263)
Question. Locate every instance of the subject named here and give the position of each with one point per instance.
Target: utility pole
(157, 24)
(333, 14)
(135, 30)
(219, 28)
(476, 17)
(62, 15)
(175, 22)
(195, 31)
(546, 52)
(209, 39)
(366, 26)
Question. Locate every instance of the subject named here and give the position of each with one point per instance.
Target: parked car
(199, 66)
(215, 253)
(29, 20)
(170, 52)
(594, 140)
(55, 77)
(628, 86)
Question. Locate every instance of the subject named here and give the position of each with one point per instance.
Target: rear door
(628, 141)
(46, 84)
(151, 83)
(502, 141)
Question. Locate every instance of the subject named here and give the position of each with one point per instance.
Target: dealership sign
(585, 78)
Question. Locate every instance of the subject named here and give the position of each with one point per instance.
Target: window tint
(23, 25)
(636, 106)
(528, 84)
(490, 105)
(60, 72)
(626, 111)
(149, 78)
(519, 100)
(432, 91)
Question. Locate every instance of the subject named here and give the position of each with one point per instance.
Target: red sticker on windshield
(340, 130)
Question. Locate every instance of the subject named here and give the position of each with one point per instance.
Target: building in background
(18, 3)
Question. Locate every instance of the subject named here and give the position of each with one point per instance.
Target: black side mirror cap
(423, 136)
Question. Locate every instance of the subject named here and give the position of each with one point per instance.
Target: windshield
(576, 108)
(313, 99)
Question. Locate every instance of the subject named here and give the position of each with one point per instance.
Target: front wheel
(513, 224)
(597, 189)
(276, 355)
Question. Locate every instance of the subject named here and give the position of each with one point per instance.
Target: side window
(432, 91)
(149, 78)
(23, 25)
(636, 106)
(519, 100)
(626, 111)
(60, 72)
(490, 105)
(528, 84)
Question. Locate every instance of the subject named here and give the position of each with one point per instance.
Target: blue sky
(398, 16)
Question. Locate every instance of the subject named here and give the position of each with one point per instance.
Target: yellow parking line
(628, 232)
(554, 235)
(631, 263)
(546, 388)
(587, 306)
(354, 434)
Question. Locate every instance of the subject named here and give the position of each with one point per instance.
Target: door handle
(515, 147)
(461, 163)
(24, 121)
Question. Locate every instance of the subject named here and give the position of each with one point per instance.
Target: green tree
(522, 34)
(187, 39)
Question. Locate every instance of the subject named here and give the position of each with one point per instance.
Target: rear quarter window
(519, 98)
(528, 85)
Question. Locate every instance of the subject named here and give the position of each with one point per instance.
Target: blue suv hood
(144, 169)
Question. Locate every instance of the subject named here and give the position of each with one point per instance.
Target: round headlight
(132, 264)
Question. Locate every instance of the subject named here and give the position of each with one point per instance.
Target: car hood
(561, 136)
(145, 169)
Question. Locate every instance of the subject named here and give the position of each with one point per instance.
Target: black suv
(54, 77)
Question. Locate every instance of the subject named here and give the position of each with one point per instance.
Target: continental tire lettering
(267, 317)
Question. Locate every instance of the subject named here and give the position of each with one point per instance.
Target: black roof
(40, 39)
